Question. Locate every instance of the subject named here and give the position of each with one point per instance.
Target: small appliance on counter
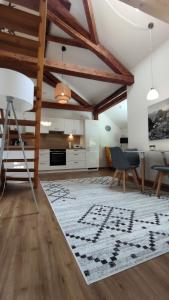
(77, 146)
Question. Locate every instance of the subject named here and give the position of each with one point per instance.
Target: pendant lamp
(62, 91)
(153, 93)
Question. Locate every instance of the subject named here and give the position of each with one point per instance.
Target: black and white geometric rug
(108, 231)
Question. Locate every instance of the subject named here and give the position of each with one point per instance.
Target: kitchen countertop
(63, 148)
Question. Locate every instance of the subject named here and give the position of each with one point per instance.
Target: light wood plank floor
(36, 263)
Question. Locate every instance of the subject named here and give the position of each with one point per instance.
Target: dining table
(143, 162)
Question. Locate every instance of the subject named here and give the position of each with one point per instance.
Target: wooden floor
(36, 263)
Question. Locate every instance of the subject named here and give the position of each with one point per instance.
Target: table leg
(164, 158)
(142, 174)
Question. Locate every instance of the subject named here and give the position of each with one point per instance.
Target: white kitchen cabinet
(74, 127)
(44, 129)
(92, 159)
(75, 159)
(44, 163)
(57, 125)
(92, 143)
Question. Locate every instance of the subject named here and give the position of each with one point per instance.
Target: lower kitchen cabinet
(75, 159)
(92, 159)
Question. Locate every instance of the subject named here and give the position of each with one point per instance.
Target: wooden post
(41, 50)
(95, 115)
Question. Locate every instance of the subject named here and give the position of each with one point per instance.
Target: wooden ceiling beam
(105, 101)
(64, 41)
(18, 20)
(16, 59)
(31, 4)
(52, 105)
(91, 20)
(111, 103)
(18, 44)
(66, 4)
(25, 69)
(59, 10)
(68, 69)
(99, 50)
(89, 73)
(52, 80)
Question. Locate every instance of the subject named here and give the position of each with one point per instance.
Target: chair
(162, 170)
(125, 162)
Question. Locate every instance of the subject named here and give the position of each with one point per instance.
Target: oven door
(57, 157)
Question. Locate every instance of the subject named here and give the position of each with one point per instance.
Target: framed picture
(158, 120)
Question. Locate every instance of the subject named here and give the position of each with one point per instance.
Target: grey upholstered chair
(124, 163)
(162, 170)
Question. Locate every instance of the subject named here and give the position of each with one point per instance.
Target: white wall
(107, 138)
(138, 105)
(65, 114)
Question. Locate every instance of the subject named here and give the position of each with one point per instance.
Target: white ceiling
(118, 114)
(128, 43)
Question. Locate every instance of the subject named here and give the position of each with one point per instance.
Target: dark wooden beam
(89, 73)
(64, 41)
(52, 80)
(31, 4)
(59, 10)
(16, 58)
(68, 69)
(18, 20)
(18, 44)
(95, 115)
(53, 105)
(99, 50)
(120, 91)
(25, 69)
(66, 4)
(20, 122)
(90, 20)
(112, 103)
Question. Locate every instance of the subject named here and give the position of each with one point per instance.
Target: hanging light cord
(137, 26)
(151, 58)
(62, 63)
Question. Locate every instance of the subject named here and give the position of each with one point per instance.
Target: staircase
(31, 25)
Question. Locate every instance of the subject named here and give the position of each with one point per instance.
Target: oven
(57, 157)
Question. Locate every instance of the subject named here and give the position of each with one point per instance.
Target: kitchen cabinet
(92, 158)
(92, 143)
(44, 160)
(74, 127)
(44, 129)
(57, 125)
(75, 159)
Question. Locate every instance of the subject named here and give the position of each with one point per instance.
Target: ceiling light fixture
(153, 94)
(62, 91)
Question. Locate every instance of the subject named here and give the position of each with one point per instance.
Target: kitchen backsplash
(57, 140)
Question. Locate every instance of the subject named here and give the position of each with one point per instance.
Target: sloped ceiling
(128, 43)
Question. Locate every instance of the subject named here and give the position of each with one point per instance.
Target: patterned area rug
(108, 231)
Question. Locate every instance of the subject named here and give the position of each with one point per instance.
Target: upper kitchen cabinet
(74, 127)
(57, 124)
